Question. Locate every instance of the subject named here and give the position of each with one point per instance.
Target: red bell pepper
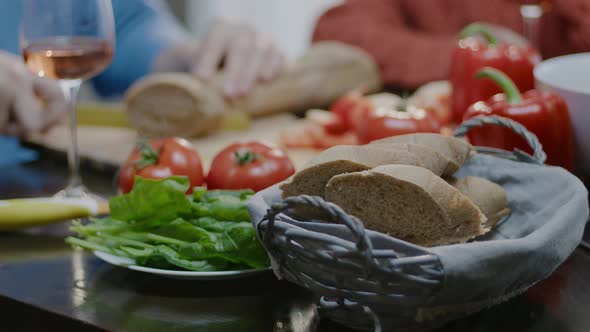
(543, 113)
(472, 54)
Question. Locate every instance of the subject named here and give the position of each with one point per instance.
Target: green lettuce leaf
(236, 242)
(242, 194)
(172, 257)
(184, 231)
(157, 225)
(153, 201)
(228, 208)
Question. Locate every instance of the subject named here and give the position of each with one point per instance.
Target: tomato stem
(506, 84)
(403, 105)
(478, 29)
(149, 156)
(246, 157)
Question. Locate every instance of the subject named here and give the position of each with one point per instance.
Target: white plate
(189, 275)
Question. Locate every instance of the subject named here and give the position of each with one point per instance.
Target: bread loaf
(313, 178)
(326, 72)
(489, 197)
(173, 104)
(408, 202)
(180, 105)
(457, 151)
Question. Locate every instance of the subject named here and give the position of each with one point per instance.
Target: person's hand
(28, 103)
(247, 57)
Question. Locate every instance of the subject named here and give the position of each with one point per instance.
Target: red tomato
(442, 109)
(296, 137)
(160, 159)
(314, 132)
(322, 139)
(344, 106)
(313, 135)
(336, 126)
(435, 97)
(385, 122)
(250, 165)
(350, 110)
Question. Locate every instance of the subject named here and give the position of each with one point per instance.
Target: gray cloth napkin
(549, 211)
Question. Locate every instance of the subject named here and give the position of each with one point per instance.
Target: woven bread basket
(370, 281)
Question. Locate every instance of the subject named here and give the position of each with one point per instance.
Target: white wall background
(289, 22)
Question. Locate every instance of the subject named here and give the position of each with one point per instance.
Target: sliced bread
(341, 159)
(431, 159)
(457, 151)
(408, 202)
(345, 159)
(489, 197)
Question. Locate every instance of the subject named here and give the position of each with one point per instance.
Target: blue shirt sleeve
(144, 28)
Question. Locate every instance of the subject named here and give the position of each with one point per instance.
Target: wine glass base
(79, 191)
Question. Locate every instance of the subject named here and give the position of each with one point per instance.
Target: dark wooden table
(46, 285)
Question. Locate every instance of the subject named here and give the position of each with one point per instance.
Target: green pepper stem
(512, 94)
(478, 29)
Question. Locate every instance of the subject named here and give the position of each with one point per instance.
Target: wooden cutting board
(113, 144)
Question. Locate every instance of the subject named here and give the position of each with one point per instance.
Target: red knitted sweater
(411, 40)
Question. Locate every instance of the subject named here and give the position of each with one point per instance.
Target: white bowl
(569, 76)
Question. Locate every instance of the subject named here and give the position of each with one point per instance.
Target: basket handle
(326, 304)
(362, 241)
(538, 156)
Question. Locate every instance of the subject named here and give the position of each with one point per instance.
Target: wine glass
(69, 41)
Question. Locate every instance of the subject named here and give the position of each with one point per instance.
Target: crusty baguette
(328, 70)
(489, 197)
(173, 104)
(408, 202)
(178, 104)
(456, 150)
(345, 159)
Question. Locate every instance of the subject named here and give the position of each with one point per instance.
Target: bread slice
(431, 159)
(489, 197)
(457, 151)
(313, 178)
(408, 202)
(341, 159)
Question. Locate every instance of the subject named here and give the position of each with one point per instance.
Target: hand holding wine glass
(68, 41)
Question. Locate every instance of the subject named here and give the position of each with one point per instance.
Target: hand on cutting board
(28, 103)
(246, 55)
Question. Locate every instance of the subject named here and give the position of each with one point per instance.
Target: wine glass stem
(70, 90)
(531, 15)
